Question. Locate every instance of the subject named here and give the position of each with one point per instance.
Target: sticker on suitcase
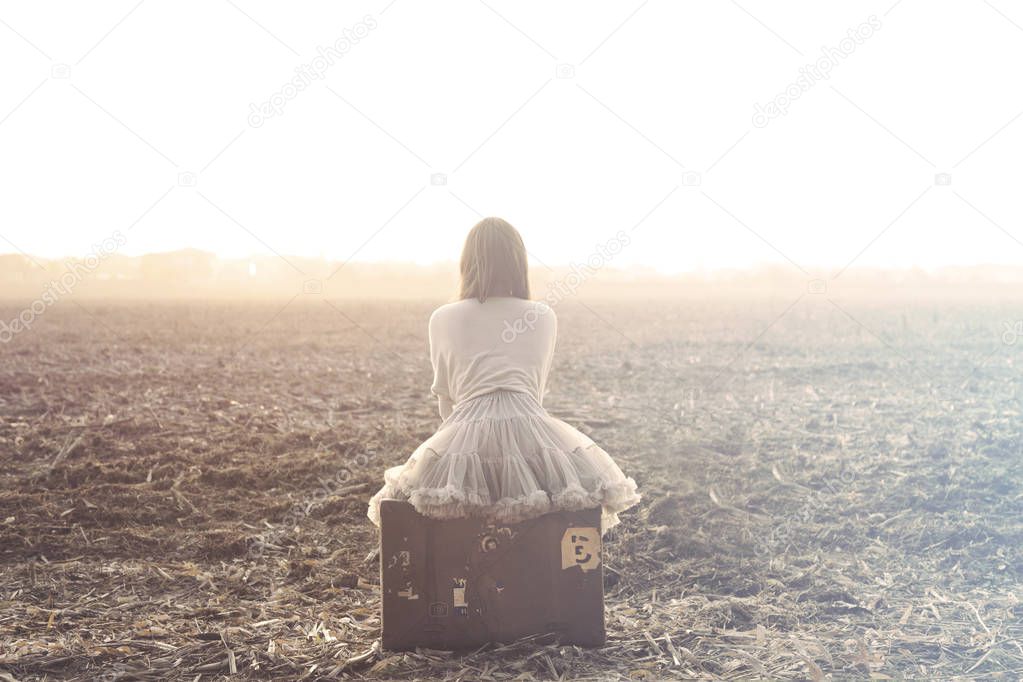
(580, 547)
(402, 559)
(461, 606)
(409, 592)
(494, 536)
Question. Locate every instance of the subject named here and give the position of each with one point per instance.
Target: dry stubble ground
(839, 495)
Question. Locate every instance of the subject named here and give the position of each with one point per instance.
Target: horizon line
(537, 265)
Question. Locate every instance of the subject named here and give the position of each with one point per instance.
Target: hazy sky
(573, 120)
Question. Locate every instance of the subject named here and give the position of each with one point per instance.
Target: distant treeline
(192, 273)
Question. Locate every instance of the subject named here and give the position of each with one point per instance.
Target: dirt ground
(832, 490)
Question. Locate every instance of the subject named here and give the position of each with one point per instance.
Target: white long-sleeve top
(502, 344)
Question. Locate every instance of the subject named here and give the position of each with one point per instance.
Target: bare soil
(832, 490)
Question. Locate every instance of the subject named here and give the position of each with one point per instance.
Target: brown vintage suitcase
(461, 583)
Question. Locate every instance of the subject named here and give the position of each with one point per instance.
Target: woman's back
(504, 344)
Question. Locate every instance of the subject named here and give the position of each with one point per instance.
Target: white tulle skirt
(501, 456)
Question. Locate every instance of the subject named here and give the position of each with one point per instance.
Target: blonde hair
(494, 262)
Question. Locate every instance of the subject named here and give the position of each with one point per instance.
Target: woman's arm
(444, 406)
(552, 339)
(440, 388)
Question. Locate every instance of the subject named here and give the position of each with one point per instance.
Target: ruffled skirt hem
(452, 503)
(503, 458)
